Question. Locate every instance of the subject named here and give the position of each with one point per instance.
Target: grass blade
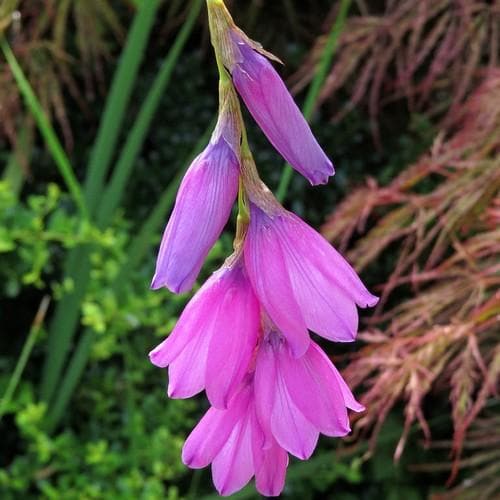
(114, 192)
(25, 354)
(77, 267)
(317, 84)
(116, 104)
(53, 144)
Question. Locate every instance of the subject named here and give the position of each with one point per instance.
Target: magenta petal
(202, 208)
(288, 425)
(315, 390)
(349, 399)
(265, 388)
(327, 309)
(270, 469)
(233, 467)
(234, 338)
(186, 374)
(198, 313)
(324, 284)
(213, 431)
(274, 109)
(328, 261)
(269, 276)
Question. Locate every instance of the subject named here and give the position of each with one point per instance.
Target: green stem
(317, 84)
(70, 381)
(53, 144)
(25, 354)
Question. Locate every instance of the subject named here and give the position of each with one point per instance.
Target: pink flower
(274, 109)
(232, 440)
(202, 208)
(301, 280)
(297, 399)
(212, 344)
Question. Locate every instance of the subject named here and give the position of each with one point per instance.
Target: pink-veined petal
(270, 469)
(328, 261)
(212, 432)
(202, 208)
(288, 425)
(233, 467)
(314, 388)
(349, 398)
(269, 277)
(274, 109)
(198, 313)
(233, 341)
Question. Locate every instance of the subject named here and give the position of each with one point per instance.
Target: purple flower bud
(202, 208)
(297, 399)
(301, 280)
(274, 109)
(213, 342)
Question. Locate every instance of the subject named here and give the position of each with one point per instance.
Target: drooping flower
(301, 280)
(297, 399)
(232, 441)
(212, 344)
(203, 205)
(277, 114)
(267, 97)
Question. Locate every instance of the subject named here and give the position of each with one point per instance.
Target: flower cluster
(244, 336)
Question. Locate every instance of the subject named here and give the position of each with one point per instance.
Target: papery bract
(274, 109)
(212, 344)
(297, 399)
(202, 208)
(301, 280)
(232, 440)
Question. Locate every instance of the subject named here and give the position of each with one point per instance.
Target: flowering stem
(317, 84)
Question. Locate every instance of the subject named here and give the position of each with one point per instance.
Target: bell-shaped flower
(301, 280)
(267, 97)
(212, 344)
(297, 399)
(203, 204)
(232, 441)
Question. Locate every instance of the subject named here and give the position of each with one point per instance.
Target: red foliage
(416, 50)
(443, 336)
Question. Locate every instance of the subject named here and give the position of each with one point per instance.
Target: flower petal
(274, 109)
(286, 422)
(186, 374)
(265, 388)
(328, 261)
(212, 432)
(234, 338)
(269, 277)
(349, 399)
(290, 427)
(202, 208)
(233, 467)
(315, 390)
(270, 469)
(195, 318)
